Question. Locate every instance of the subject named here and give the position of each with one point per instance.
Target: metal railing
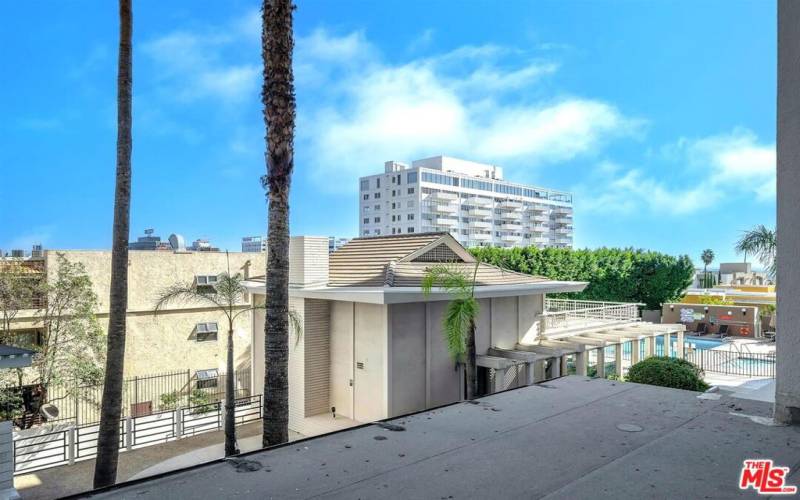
(561, 313)
(42, 450)
(141, 395)
(731, 362)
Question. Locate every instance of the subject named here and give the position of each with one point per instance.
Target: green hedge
(668, 372)
(614, 274)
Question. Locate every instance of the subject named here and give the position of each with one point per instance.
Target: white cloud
(700, 174)
(192, 66)
(456, 103)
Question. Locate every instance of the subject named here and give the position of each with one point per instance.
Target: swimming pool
(702, 343)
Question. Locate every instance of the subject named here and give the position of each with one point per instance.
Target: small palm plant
(226, 296)
(762, 242)
(458, 323)
(707, 257)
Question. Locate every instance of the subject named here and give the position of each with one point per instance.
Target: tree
(763, 243)
(458, 324)
(71, 352)
(105, 471)
(613, 274)
(707, 257)
(278, 98)
(19, 288)
(227, 297)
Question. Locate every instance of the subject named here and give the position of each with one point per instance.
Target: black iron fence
(141, 395)
(730, 362)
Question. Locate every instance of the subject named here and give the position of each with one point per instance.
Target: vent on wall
(360, 365)
(439, 253)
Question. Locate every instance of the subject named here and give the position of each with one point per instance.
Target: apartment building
(469, 200)
(182, 336)
(254, 244)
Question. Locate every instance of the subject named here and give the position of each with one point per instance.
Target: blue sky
(660, 117)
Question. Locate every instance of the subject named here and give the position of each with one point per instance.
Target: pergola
(579, 344)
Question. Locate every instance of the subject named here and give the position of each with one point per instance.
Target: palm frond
(458, 317)
(451, 278)
(183, 293)
(762, 242)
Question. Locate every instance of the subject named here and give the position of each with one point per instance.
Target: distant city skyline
(665, 136)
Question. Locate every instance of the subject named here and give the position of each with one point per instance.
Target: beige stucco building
(372, 345)
(171, 340)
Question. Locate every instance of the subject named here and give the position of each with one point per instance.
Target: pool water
(699, 343)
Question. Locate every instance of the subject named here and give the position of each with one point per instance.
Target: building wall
(408, 347)
(739, 317)
(167, 341)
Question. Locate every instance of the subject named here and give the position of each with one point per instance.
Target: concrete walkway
(570, 438)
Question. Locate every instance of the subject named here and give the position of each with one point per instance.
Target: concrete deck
(561, 439)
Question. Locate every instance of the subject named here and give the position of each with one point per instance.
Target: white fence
(562, 313)
(44, 447)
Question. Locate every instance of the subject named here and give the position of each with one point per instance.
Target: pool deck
(569, 438)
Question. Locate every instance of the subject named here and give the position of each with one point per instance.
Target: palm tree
(762, 242)
(277, 96)
(458, 324)
(707, 257)
(226, 296)
(105, 472)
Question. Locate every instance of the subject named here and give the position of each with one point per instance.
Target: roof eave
(402, 295)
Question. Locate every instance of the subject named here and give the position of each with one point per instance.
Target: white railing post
(178, 422)
(71, 445)
(129, 433)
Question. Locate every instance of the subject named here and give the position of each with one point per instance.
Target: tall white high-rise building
(469, 200)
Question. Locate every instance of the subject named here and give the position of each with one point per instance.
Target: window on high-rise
(377, 196)
(411, 178)
(410, 190)
(364, 184)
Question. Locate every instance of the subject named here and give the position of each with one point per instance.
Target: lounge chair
(702, 328)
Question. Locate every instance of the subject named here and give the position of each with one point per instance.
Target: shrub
(201, 400)
(169, 401)
(668, 372)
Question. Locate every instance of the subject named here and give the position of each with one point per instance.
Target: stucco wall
(443, 379)
(166, 342)
(408, 351)
(787, 376)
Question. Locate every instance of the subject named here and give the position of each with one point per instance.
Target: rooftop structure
(469, 200)
(373, 344)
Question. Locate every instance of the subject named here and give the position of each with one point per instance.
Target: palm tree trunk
(230, 406)
(472, 366)
(105, 472)
(279, 113)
